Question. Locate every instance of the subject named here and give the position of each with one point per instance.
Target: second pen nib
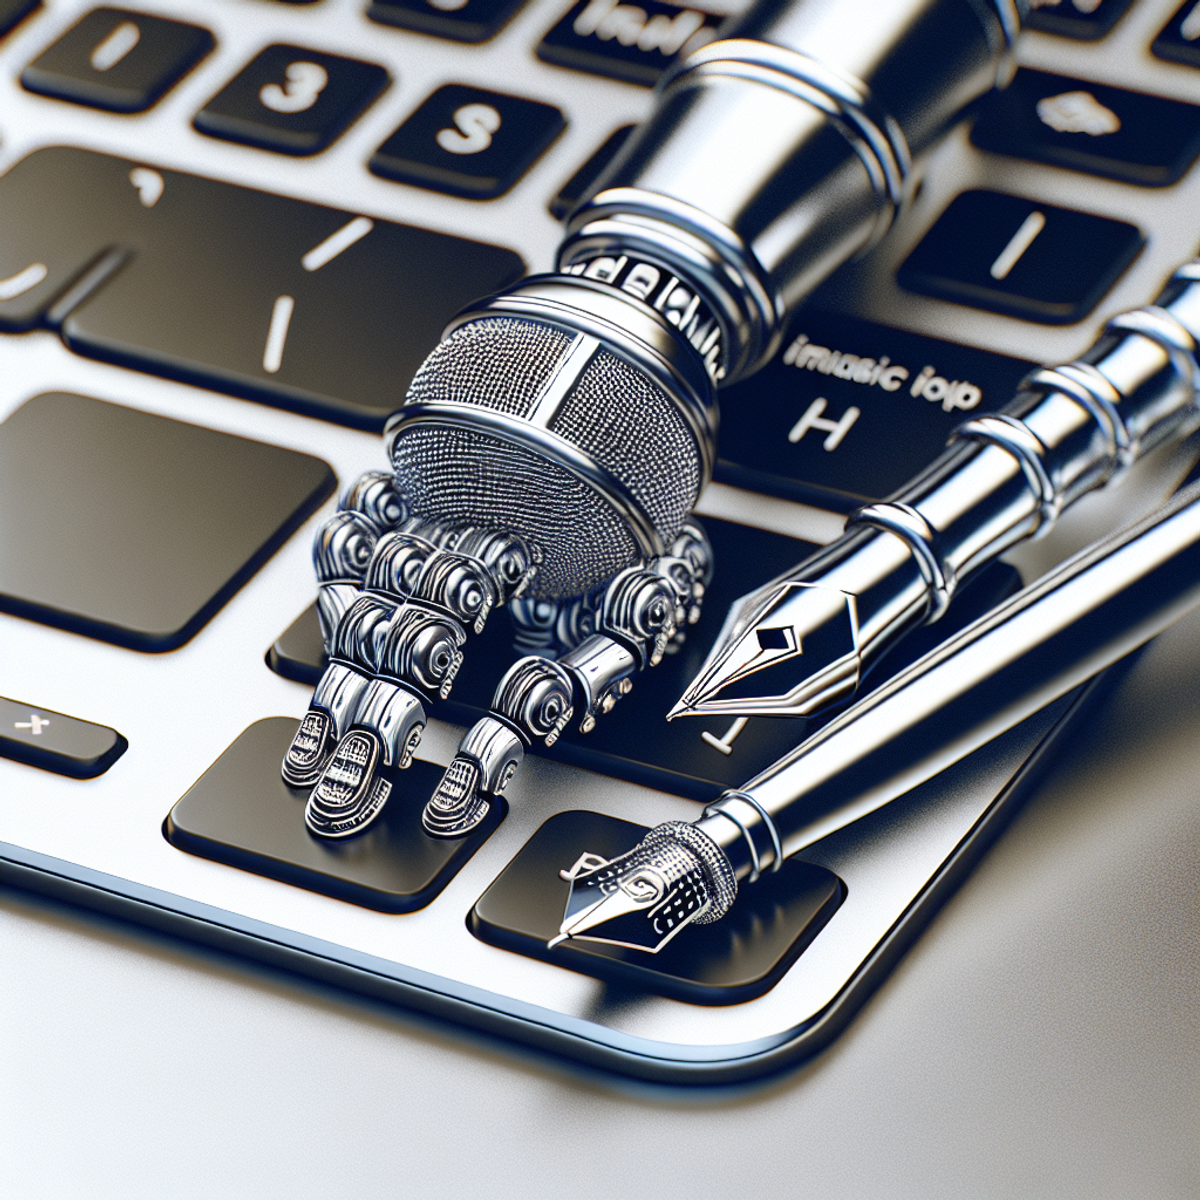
(641, 899)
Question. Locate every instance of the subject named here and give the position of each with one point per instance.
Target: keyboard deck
(230, 233)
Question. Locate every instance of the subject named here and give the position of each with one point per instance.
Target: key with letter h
(813, 419)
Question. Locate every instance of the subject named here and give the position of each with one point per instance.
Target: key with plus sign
(56, 742)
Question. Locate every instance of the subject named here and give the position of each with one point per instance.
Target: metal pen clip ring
(1092, 391)
(916, 532)
(764, 816)
(1017, 439)
(1161, 326)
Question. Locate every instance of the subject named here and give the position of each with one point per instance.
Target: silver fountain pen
(803, 642)
(1047, 639)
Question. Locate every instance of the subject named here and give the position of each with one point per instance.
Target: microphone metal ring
(581, 305)
(713, 257)
(875, 136)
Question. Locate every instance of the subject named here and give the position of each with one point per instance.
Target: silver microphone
(772, 156)
(574, 415)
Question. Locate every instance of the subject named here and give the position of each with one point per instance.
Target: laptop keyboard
(230, 233)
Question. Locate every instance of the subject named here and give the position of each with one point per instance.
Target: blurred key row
(468, 141)
(322, 311)
(330, 313)
(295, 100)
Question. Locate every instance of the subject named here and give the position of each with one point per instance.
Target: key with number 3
(292, 100)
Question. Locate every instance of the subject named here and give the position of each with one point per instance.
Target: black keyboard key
(295, 304)
(633, 741)
(292, 100)
(55, 742)
(240, 812)
(695, 757)
(739, 957)
(133, 528)
(459, 20)
(580, 184)
(313, 309)
(116, 59)
(1012, 255)
(633, 42)
(468, 142)
(848, 411)
(1179, 40)
(1086, 20)
(62, 214)
(1091, 127)
(13, 12)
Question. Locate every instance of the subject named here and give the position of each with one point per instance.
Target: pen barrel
(1046, 640)
(780, 151)
(1006, 477)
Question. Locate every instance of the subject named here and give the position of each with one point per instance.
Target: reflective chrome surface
(1008, 665)
(976, 1065)
(1006, 478)
(723, 185)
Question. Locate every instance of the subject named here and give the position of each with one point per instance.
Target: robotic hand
(399, 595)
(551, 449)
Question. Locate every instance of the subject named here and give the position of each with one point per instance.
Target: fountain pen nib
(673, 877)
(787, 649)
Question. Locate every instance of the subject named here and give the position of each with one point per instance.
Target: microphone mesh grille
(498, 363)
(618, 415)
(471, 478)
(614, 413)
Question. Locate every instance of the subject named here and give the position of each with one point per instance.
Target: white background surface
(1040, 1040)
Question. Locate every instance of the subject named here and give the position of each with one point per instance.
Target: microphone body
(551, 449)
(772, 157)
(787, 147)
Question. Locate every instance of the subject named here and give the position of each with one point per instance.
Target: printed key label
(117, 60)
(468, 142)
(149, 185)
(850, 410)
(1086, 125)
(474, 126)
(292, 100)
(305, 81)
(633, 42)
(881, 372)
(115, 46)
(1077, 112)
